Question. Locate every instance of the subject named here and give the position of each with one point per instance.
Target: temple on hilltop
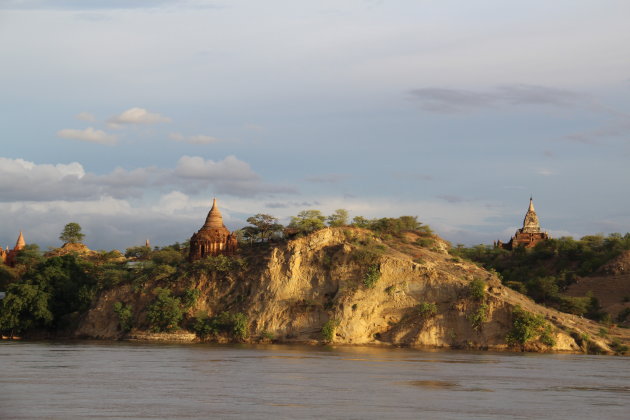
(8, 256)
(213, 238)
(529, 235)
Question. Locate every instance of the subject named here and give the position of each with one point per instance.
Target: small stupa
(9, 256)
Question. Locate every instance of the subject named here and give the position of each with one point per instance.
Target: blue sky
(129, 116)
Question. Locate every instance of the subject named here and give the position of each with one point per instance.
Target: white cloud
(230, 168)
(89, 134)
(85, 116)
(21, 180)
(198, 139)
(136, 116)
(24, 168)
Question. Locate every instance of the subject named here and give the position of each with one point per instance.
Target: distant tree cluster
(51, 292)
(545, 271)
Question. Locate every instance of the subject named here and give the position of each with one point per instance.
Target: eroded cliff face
(291, 291)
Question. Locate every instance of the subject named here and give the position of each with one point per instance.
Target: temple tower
(531, 223)
(529, 235)
(9, 256)
(213, 238)
(20, 243)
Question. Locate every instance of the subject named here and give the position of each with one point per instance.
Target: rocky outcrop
(359, 290)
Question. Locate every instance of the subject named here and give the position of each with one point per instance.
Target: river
(125, 380)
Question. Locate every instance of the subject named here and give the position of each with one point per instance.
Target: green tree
(138, 252)
(125, 315)
(72, 233)
(527, 327)
(338, 218)
(7, 276)
(24, 307)
(265, 225)
(167, 257)
(361, 222)
(308, 221)
(165, 311)
(30, 256)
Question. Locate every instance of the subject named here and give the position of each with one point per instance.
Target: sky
(128, 117)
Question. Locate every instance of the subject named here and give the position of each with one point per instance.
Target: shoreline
(176, 338)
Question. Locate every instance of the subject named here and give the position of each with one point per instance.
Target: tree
(361, 222)
(72, 233)
(165, 312)
(25, 306)
(265, 225)
(308, 221)
(138, 252)
(338, 218)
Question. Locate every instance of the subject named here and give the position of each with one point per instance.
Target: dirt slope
(610, 285)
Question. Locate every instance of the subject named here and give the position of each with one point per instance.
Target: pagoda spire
(20, 243)
(530, 223)
(214, 219)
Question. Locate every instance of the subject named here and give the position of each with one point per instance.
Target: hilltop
(343, 286)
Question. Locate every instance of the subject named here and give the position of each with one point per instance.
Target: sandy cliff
(421, 298)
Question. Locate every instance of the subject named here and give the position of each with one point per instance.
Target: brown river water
(123, 380)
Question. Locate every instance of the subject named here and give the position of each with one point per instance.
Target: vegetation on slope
(546, 270)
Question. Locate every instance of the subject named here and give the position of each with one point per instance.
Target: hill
(343, 286)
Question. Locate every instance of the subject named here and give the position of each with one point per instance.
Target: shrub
(203, 327)
(478, 316)
(226, 322)
(266, 335)
(426, 310)
(623, 315)
(165, 312)
(574, 305)
(190, 297)
(371, 276)
(138, 252)
(477, 289)
(219, 263)
(517, 285)
(167, 257)
(527, 327)
(124, 314)
(618, 347)
(367, 251)
(328, 330)
(425, 242)
(238, 325)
